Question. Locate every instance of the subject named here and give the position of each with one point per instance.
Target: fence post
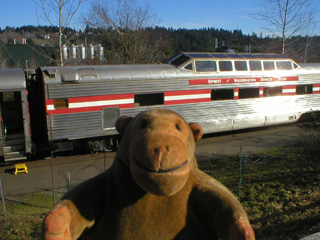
(68, 181)
(3, 202)
(104, 159)
(239, 192)
(52, 184)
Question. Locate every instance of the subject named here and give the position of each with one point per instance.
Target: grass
(24, 215)
(280, 189)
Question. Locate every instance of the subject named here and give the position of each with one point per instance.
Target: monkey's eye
(178, 127)
(143, 124)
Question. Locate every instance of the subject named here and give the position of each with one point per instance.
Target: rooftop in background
(25, 55)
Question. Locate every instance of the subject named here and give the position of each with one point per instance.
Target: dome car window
(268, 65)
(241, 65)
(189, 66)
(206, 66)
(284, 65)
(255, 65)
(225, 66)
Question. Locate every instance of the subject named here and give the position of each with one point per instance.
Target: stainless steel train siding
(130, 80)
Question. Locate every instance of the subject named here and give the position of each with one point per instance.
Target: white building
(83, 52)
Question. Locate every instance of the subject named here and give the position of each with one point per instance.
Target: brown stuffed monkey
(153, 190)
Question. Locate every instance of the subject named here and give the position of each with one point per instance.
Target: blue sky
(226, 14)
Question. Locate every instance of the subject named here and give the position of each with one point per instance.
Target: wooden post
(68, 181)
(239, 192)
(52, 183)
(3, 202)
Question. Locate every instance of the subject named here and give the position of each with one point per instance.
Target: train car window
(178, 61)
(225, 66)
(50, 75)
(272, 91)
(304, 89)
(284, 65)
(189, 67)
(8, 97)
(61, 103)
(269, 65)
(221, 94)
(148, 99)
(241, 65)
(255, 65)
(206, 66)
(248, 93)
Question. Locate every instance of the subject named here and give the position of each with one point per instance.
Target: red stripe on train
(289, 93)
(240, 80)
(187, 92)
(316, 86)
(185, 101)
(101, 98)
(49, 101)
(86, 109)
(95, 98)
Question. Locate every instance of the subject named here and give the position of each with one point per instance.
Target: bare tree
(309, 31)
(60, 13)
(126, 25)
(286, 18)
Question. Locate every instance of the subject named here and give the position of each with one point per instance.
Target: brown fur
(154, 190)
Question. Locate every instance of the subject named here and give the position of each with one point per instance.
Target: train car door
(12, 126)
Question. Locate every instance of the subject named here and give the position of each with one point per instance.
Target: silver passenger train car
(76, 105)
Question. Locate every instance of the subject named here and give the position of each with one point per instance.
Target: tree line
(155, 44)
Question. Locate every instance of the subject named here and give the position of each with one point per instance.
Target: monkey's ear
(197, 131)
(122, 123)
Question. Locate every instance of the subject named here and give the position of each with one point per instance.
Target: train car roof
(111, 72)
(12, 80)
(173, 68)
